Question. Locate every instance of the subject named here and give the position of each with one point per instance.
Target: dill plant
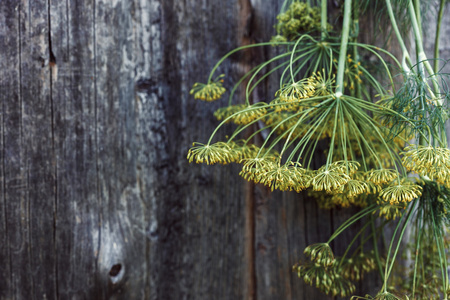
(388, 156)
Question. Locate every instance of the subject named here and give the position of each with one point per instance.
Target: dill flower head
(299, 17)
(323, 85)
(329, 180)
(249, 114)
(341, 200)
(354, 268)
(401, 193)
(211, 91)
(241, 114)
(278, 39)
(320, 253)
(441, 175)
(326, 279)
(344, 166)
(240, 150)
(323, 199)
(315, 275)
(354, 188)
(295, 91)
(211, 154)
(255, 167)
(226, 112)
(352, 73)
(382, 176)
(286, 177)
(390, 211)
(341, 286)
(382, 296)
(426, 159)
(278, 105)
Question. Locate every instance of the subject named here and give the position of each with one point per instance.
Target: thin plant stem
(406, 56)
(375, 247)
(323, 19)
(343, 48)
(399, 240)
(351, 220)
(437, 37)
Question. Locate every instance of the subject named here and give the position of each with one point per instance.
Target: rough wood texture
(97, 199)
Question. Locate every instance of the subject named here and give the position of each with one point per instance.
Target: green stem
(351, 220)
(418, 16)
(406, 57)
(343, 48)
(438, 33)
(402, 232)
(352, 242)
(375, 247)
(250, 108)
(330, 154)
(421, 52)
(292, 55)
(416, 259)
(441, 251)
(323, 19)
(236, 50)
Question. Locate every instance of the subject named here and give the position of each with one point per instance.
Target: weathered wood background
(97, 200)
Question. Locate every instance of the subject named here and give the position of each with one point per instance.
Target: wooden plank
(11, 156)
(28, 170)
(37, 138)
(206, 223)
(121, 258)
(150, 138)
(73, 91)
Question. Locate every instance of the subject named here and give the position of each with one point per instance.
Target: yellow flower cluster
(295, 91)
(341, 179)
(401, 192)
(334, 178)
(208, 92)
(354, 188)
(298, 17)
(354, 268)
(352, 73)
(279, 106)
(382, 176)
(430, 161)
(221, 152)
(241, 114)
(322, 85)
(320, 253)
(329, 181)
(268, 171)
(209, 154)
(322, 272)
(391, 211)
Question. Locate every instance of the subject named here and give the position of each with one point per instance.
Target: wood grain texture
(97, 198)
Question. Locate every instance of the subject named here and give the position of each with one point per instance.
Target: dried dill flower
(210, 91)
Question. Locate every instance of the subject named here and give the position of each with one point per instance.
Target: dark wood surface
(97, 198)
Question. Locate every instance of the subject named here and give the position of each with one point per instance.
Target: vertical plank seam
(23, 158)
(52, 63)
(29, 231)
(250, 221)
(3, 175)
(305, 221)
(250, 240)
(99, 236)
(20, 116)
(5, 211)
